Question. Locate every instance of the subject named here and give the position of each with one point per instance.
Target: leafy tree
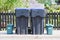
(49, 6)
(44, 1)
(7, 5)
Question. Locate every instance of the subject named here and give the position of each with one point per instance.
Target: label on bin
(49, 28)
(8, 27)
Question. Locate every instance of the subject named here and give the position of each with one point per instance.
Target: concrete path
(55, 36)
(29, 37)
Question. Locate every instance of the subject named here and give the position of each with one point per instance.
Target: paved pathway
(55, 36)
(29, 37)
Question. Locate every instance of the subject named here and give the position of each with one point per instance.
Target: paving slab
(54, 36)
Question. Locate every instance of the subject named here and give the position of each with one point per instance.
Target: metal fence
(6, 18)
(53, 18)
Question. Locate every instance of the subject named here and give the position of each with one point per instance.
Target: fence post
(47, 18)
(55, 20)
(0, 21)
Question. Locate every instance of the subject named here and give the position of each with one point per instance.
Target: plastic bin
(10, 29)
(37, 19)
(22, 15)
(49, 29)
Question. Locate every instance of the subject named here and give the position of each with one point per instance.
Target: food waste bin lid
(49, 25)
(9, 25)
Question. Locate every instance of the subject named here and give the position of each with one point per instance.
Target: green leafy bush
(53, 8)
(7, 5)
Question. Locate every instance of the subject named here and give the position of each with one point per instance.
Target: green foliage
(50, 7)
(53, 8)
(40, 1)
(7, 5)
(44, 1)
(22, 3)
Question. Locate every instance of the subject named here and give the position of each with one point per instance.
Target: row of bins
(37, 20)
